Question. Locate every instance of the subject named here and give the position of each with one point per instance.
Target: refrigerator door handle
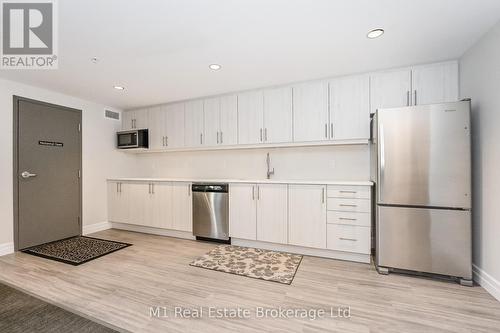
(381, 161)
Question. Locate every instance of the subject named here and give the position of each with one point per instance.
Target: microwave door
(127, 140)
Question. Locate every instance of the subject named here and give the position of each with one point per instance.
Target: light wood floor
(118, 289)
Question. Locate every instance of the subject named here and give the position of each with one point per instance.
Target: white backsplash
(350, 162)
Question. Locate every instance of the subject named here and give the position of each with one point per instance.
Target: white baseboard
(6, 248)
(358, 257)
(91, 228)
(486, 281)
(153, 231)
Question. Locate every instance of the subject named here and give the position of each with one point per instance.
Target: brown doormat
(255, 263)
(76, 250)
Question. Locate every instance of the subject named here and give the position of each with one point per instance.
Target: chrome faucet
(269, 171)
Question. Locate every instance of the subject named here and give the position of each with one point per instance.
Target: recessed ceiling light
(214, 67)
(119, 88)
(94, 60)
(375, 33)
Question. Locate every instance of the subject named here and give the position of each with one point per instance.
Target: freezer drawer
(434, 241)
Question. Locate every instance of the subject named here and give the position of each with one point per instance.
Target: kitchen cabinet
(135, 119)
(272, 213)
(118, 202)
(277, 120)
(307, 215)
(250, 117)
(310, 112)
(174, 125)
(221, 121)
(435, 83)
(157, 129)
(182, 206)
(349, 108)
(138, 200)
(194, 123)
(243, 211)
(160, 205)
(390, 89)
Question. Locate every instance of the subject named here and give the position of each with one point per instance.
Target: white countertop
(259, 181)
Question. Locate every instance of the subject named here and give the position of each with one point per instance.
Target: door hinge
(79, 174)
(79, 127)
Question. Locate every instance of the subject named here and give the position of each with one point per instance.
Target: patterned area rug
(255, 263)
(76, 250)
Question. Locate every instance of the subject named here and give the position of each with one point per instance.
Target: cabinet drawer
(349, 205)
(352, 218)
(348, 238)
(359, 192)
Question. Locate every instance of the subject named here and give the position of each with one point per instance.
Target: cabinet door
(161, 203)
(243, 211)
(174, 125)
(350, 108)
(212, 121)
(138, 202)
(182, 203)
(390, 89)
(141, 118)
(250, 117)
(310, 112)
(272, 213)
(278, 115)
(156, 128)
(228, 120)
(127, 120)
(193, 114)
(436, 83)
(118, 207)
(307, 215)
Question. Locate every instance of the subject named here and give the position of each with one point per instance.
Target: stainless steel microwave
(133, 139)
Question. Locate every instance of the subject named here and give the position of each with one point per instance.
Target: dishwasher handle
(217, 188)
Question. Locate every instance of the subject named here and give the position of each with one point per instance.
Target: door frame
(16, 99)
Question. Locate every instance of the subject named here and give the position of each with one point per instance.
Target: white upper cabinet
(435, 83)
(221, 121)
(156, 128)
(194, 123)
(211, 108)
(243, 211)
(390, 89)
(174, 125)
(307, 215)
(135, 119)
(278, 115)
(310, 112)
(272, 213)
(228, 120)
(350, 108)
(251, 117)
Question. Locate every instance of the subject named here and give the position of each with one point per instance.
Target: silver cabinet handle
(258, 192)
(218, 137)
(415, 97)
(163, 141)
(261, 135)
(149, 188)
(253, 192)
(27, 174)
(221, 137)
(120, 187)
(166, 141)
(326, 130)
(331, 131)
(323, 195)
(117, 188)
(407, 98)
(265, 134)
(347, 205)
(201, 138)
(152, 188)
(348, 239)
(347, 219)
(345, 191)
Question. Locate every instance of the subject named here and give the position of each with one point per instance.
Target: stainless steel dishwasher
(211, 212)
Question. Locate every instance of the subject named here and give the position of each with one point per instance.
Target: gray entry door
(48, 172)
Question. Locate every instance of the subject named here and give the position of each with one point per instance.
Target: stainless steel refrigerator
(423, 189)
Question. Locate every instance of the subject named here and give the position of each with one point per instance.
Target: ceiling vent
(112, 114)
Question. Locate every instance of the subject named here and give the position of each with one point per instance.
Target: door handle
(331, 131)
(261, 135)
(218, 137)
(221, 137)
(407, 98)
(265, 134)
(27, 174)
(326, 130)
(323, 195)
(415, 96)
(253, 192)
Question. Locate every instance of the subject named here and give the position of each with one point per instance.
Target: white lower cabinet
(118, 202)
(138, 203)
(348, 238)
(182, 207)
(272, 213)
(307, 215)
(243, 211)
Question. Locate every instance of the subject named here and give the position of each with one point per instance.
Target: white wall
(100, 159)
(480, 80)
(307, 163)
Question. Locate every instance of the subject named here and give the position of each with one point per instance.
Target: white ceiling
(160, 50)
